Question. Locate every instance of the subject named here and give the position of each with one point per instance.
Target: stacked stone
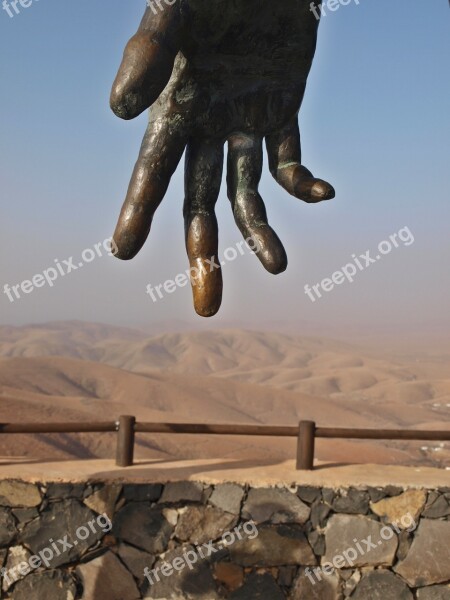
(302, 532)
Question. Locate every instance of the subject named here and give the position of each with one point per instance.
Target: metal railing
(306, 433)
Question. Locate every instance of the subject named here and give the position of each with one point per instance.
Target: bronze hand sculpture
(216, 71)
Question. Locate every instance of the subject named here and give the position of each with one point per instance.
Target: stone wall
(93, 541)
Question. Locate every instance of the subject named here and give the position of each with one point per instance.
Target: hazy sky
(375, 122)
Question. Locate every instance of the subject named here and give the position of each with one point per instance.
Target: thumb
(148, 60)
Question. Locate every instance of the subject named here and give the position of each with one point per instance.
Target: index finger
(148, 60)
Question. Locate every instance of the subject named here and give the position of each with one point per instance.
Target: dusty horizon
(396, 338)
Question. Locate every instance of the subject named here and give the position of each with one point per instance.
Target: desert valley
(73, 371)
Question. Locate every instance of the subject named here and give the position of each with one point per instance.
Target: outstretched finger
(245, 163)
(161, 151)
(147, 62)
(284, 152)
(204, 167)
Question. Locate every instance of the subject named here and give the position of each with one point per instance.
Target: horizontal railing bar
(58, 427)
(381, 434)
(189, 428)
(227, 429)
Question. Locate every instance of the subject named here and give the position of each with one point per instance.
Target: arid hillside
(82, 371)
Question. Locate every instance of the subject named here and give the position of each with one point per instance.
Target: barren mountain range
(81, 371)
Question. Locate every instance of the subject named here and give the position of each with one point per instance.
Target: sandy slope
(79, 371)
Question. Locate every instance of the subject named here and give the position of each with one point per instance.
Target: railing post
(125, 441)
(305, 445)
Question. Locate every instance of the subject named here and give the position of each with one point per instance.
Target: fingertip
(129, 238)
(322, 190)
(125, 253)
(277, 268)
(310, 189)
(275, 262)
(125, 104)
(268, 248)
(207, 285)
(207, 311)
